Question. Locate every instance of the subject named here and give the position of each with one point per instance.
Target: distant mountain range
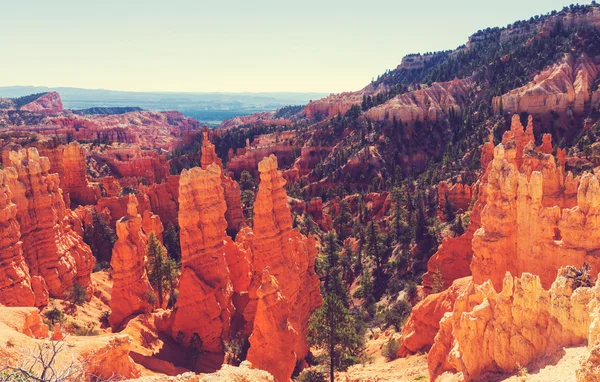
(210, 108)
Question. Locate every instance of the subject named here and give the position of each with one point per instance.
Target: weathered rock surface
(209, 155)
(111, 361)
(46, 103)
(546, 232)
(455, 197)
(289, 255)
(24, 320)
(232, 192)
(419, 331)
(565, 85)
(428, 104)
(164, 199)
(15, 282)
(491, 331)
(53, 250)
(204, 305)
(273, 338)
(69, 162)
(131, 288)
(280, 144)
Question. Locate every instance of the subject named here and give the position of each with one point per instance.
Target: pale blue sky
(233, 45)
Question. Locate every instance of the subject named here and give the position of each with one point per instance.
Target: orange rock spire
(204, 305)
(131, 288)
(289, 255)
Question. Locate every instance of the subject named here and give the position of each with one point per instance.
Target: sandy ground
(555, 370)
(377, 368)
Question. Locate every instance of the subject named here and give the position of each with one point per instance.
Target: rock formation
(273, 339)
(52, 249)
(131, 288)
(427, 104)
(546, 231)
(111, 360)
(281, 144)
(164, 199)
(15, 282)
(289, 255)
(491, 331)
(209, 155)
(204, 305)
(423, 324)
(565, 85)
(232, 192)
(46, 103)
(456, 197)
(69, 162)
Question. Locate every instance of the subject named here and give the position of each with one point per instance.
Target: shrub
(104, 317)
(397, 314)
(237, 347)
(390, 350)
(78, 295)
(150, 296)
(311, 375)
(54, 315)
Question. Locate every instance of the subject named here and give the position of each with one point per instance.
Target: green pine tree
(162, 270)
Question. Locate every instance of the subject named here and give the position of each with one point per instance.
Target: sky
(233, 45)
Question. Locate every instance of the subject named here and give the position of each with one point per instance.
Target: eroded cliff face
(547, 231)
(280, 144)
(491, 331)
(15, 281)
(131, 288)
(453, 198)
(566, 85)
(68, 161)
(289, 256)
(47, 103)
(53, 250)
(428, 104)
(423, 324)
(204, 305)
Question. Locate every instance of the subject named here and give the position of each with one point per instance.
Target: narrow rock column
(131, 289)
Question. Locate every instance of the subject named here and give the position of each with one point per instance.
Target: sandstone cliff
(46, 103)
(232, 192)
(52, 249)
(565, 85)
(15, 282)
(69, 162)
(427, 104)
(491, 331)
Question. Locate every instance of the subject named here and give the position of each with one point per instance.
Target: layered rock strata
(53, 250)
(204, 305)
(15, 281)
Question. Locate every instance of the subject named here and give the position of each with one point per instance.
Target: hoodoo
(131, 289)
(204, 305)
